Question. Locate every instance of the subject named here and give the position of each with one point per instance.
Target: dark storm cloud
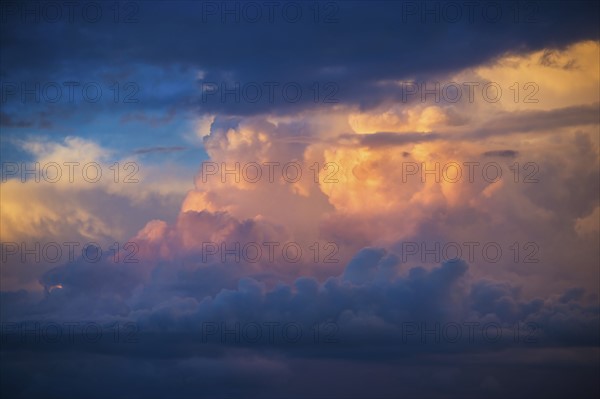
(370, 302)
(367, 44)
(380, 319)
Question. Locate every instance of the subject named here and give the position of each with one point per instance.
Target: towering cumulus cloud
(290, 199)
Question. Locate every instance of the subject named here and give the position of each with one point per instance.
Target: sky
(309, 199)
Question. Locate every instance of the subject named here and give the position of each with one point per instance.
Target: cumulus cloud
(77, 193)
(308, 254)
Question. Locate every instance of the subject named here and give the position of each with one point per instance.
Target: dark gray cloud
(386, 139)
(501, 153)
(528, 121)
(7, 120)
(370, 313)
(369, 42)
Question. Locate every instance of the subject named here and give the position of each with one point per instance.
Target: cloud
(530, 121)
(372, 312)
(589, 224)
(79, 193)
(355, 69)
(501, 153)
(386, 139)
(159, 150)
(379, 171)
(8, 121)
